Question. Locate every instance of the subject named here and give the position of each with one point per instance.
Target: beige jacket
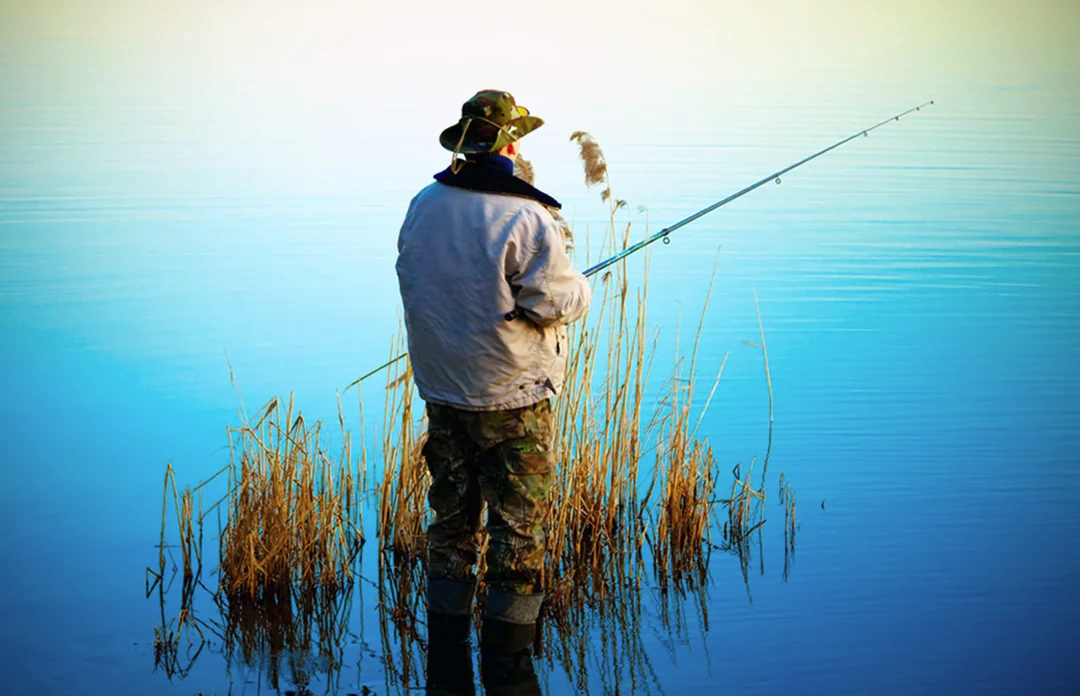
(466, 259)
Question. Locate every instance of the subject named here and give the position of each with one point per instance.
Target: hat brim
(482, 137)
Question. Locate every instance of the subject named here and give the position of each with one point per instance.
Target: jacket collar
(494, 174)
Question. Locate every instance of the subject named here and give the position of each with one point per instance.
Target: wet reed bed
(287, 551)
(293, 514)
(288, 548)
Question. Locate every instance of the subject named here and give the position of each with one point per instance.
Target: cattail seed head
(592, 157)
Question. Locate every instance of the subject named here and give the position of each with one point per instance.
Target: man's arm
(550, 291)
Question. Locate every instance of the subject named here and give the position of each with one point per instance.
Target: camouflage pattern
(490, 120)
(502, 458)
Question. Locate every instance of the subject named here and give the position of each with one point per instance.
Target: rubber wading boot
(449, 658)
(506, 666)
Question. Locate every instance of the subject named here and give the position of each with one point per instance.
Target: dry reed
(523, 169)
(686, 471)
(592, 157)
(293, 515)
(402, 490)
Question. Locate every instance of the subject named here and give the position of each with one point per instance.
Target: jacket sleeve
(550, 291)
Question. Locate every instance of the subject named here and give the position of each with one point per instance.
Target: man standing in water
(487, 287)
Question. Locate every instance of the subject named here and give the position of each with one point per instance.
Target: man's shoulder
(439, 193)
(434, 188)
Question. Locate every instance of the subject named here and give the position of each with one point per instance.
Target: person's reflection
(449, 656)
(506, 666)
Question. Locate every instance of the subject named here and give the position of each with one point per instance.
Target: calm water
(920, 291)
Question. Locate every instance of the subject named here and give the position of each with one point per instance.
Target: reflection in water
(306, 631)
(598, 644)
(304, 628)
(596, 637)
(592, 626)
(602, 639)
(746, 519)
(449, 657)
(178, 640)
(506, 662)
(401, 584)
(787, 499)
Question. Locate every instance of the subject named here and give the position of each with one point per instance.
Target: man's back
(466, 259)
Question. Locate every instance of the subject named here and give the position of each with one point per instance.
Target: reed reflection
(178, 639)
(599, 645)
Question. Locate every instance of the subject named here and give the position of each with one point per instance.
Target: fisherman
(487, 288)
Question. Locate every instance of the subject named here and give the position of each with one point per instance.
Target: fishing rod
(665, 233)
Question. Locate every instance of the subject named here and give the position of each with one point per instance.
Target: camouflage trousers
(503, 459)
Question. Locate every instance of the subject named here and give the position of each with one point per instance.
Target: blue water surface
(920, 295)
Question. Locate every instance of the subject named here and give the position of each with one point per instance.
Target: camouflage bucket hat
(490, 121)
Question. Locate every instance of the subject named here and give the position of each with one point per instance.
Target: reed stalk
(179, 639)
(402, 490)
